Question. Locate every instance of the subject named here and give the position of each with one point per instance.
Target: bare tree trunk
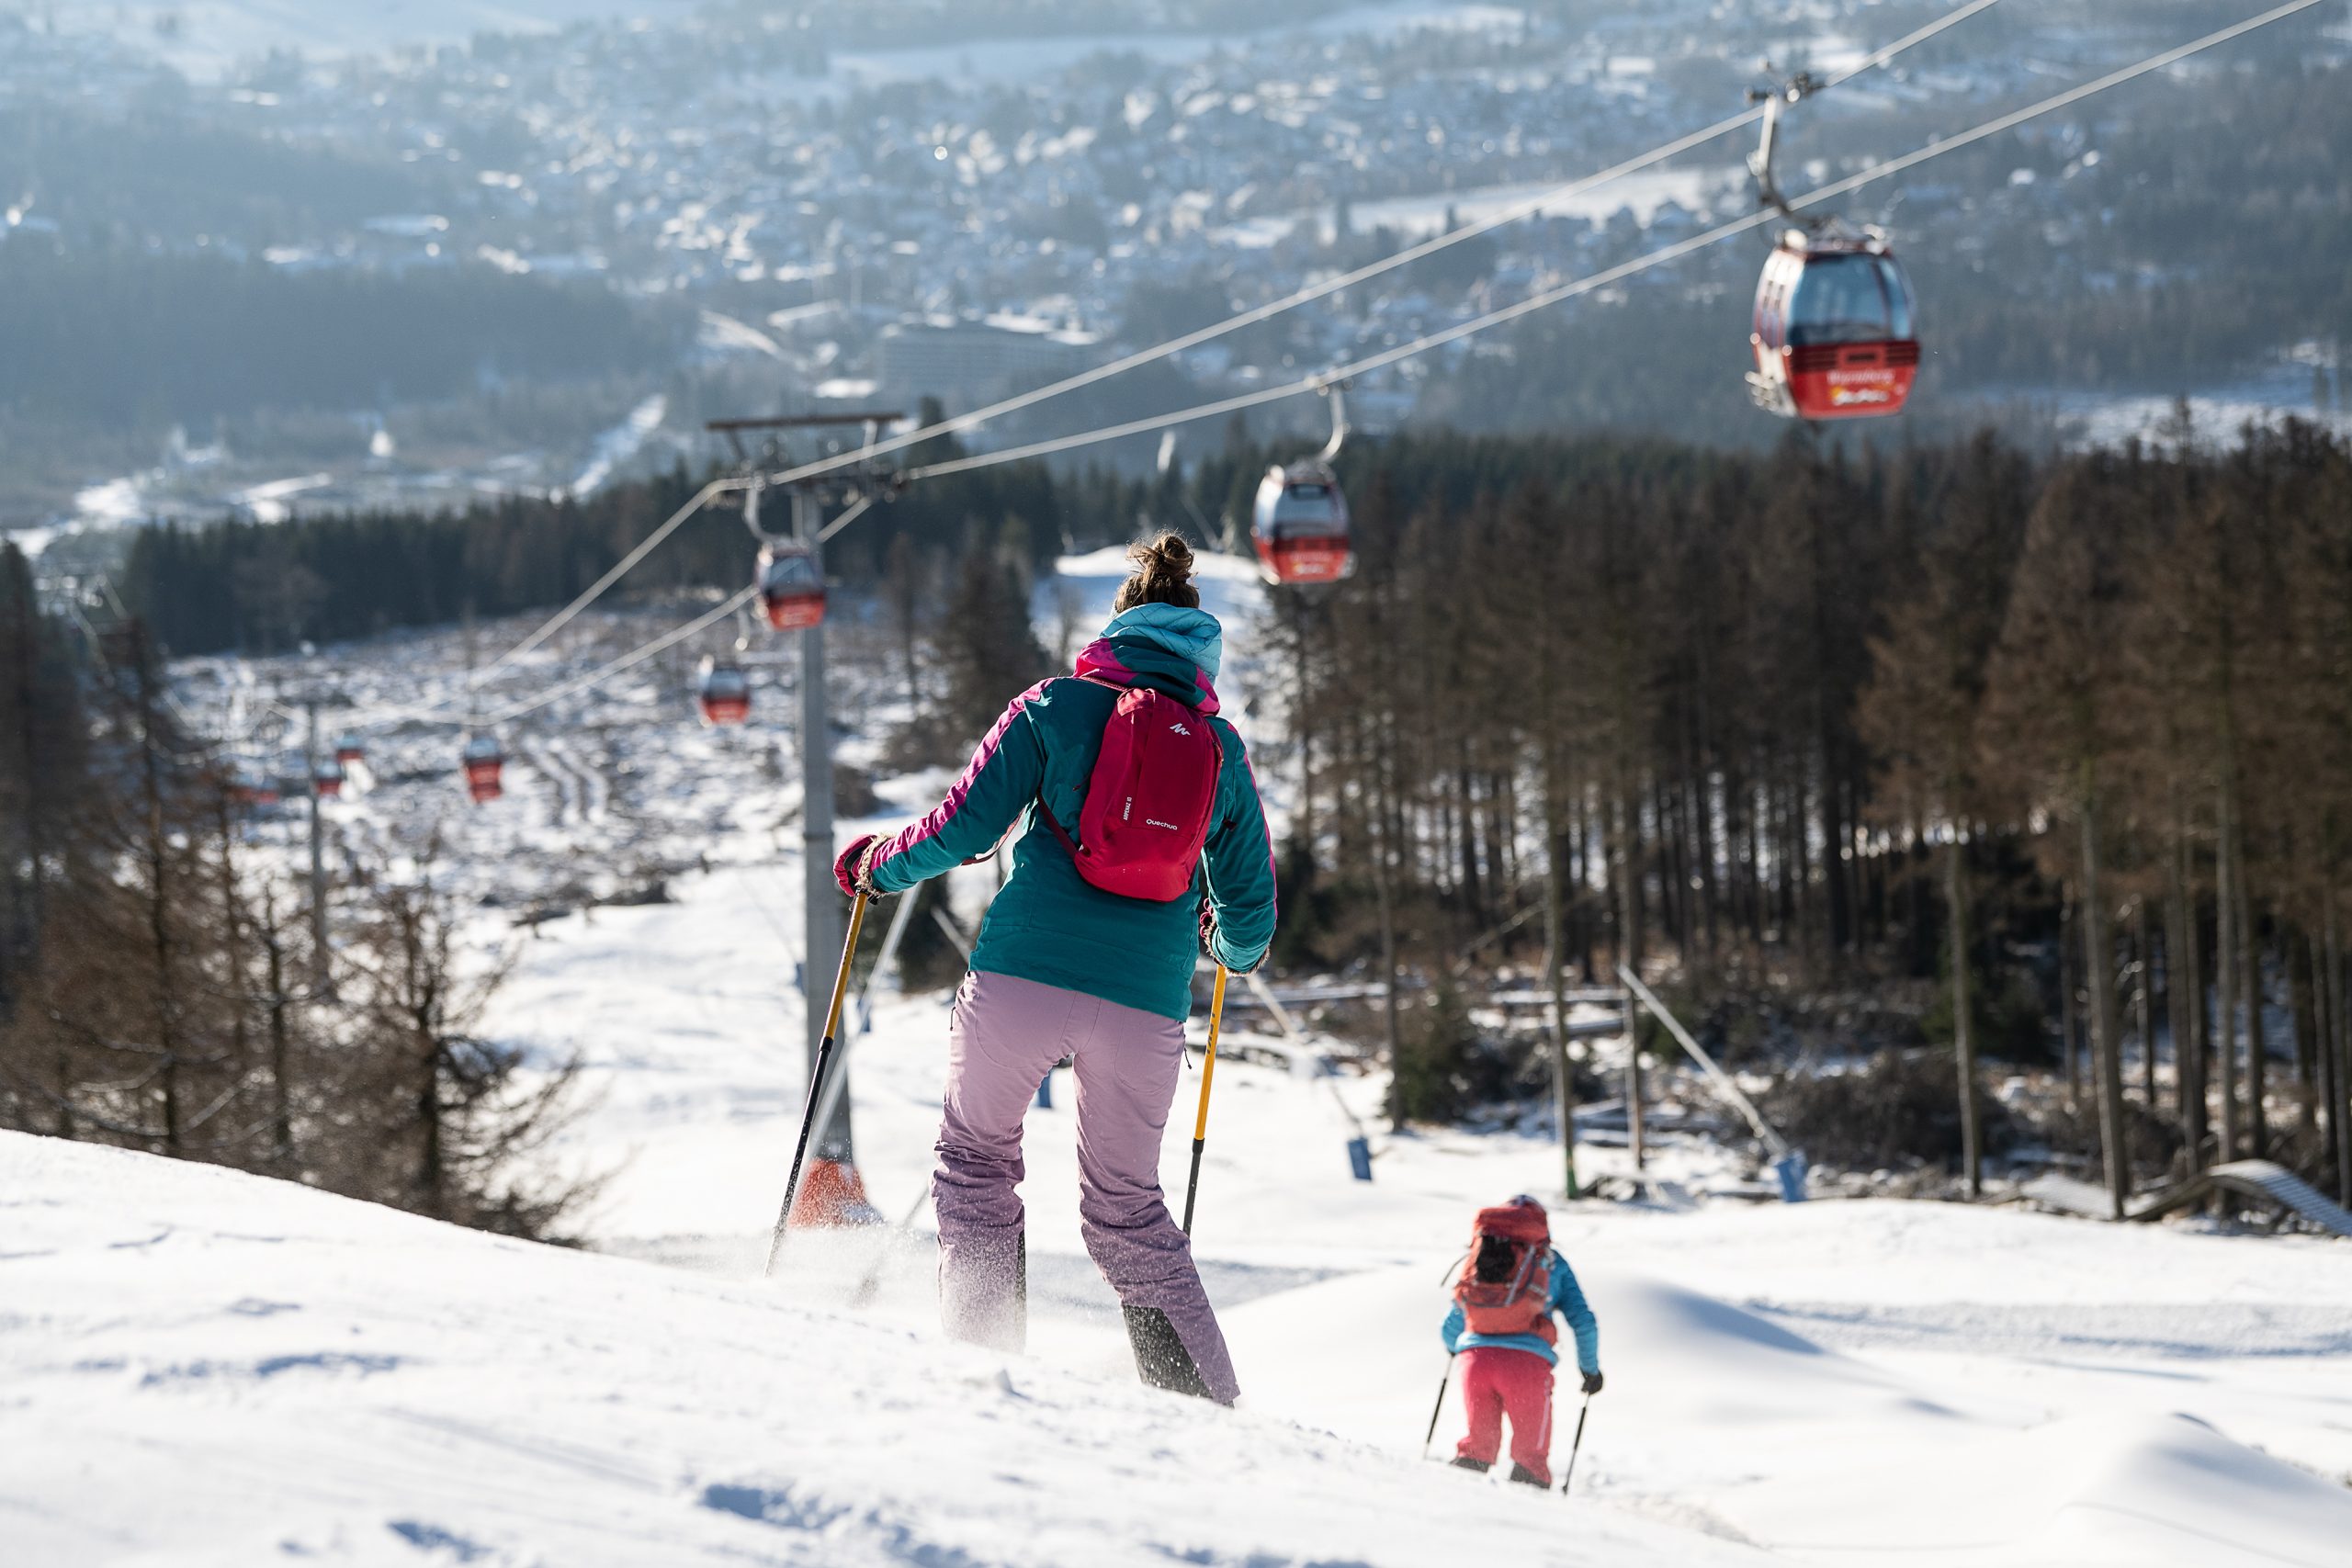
(2069, 995)
(2322, 1037)
(36, 799)
(2225, 977)
(1629, 954)
(1384, 888)
(1556, 959)
(2106, 1047)
(2258, 1133)
(2149, 1004)
(2185, 988)
(1703, 822)
(156, 851)
(281, 1093)
(232, 947)
(1964, 1033)
(1579, 913)
(433, 1166)
(2340, 1046)
(2302, 1006)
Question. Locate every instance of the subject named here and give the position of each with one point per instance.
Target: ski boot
(1162, 1359)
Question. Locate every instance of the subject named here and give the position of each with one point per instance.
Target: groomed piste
(207, 1368)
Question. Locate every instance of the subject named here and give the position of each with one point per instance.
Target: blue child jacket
(1567, 1301)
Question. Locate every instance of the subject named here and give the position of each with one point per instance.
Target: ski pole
(817, 1083)
(1208, 1072)
(1578, 1442)
(1442, 1384)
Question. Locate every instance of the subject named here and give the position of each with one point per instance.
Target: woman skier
(1064, 967)
(1504, 1299)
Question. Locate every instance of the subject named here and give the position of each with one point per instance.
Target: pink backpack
(1149, 801)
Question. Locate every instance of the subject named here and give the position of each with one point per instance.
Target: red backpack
(1149, 800)
(1505, 1286)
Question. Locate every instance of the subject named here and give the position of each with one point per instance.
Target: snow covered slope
(1880, 1382)
(199, 1368)
(1890, 1384)
(1726, 1419)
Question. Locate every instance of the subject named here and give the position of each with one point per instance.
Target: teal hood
(1175, 650)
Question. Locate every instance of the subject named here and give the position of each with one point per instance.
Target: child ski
(1501, 1328)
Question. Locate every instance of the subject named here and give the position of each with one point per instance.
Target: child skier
(1501, 1326)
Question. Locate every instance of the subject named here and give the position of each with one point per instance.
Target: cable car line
(369, 719)
(634, 657)
(621, 568)
(1313, 291)
(1622, 270)
(1456, 333)
(1140, 357)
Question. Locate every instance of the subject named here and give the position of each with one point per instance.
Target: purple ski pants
(1006, 1034)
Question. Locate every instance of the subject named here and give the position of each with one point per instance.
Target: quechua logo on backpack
(1149, 800)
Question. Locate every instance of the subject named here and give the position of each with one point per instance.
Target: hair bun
(1167, 558)
(1163, 573)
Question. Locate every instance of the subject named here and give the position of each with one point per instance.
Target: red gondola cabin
(1835, 334)
(1299, 525)
(792, 589)
(251, 789)
(723, 689)
(484, 760)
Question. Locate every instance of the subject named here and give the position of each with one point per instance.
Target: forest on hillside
(1933, 759)
(162, 985)
(1808, 727)
(124, 337)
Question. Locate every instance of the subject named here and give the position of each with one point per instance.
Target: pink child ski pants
(1005, 1035)
(1497, 1381)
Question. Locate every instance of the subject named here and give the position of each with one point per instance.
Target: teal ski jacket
(1049, 924)
(1567, 1301)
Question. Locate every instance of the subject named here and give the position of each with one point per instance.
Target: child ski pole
(817, 1083)
(1208, 1072)
(1430, 1435)
(1578, 1442)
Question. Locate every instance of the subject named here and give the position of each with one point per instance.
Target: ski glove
(1591, 1383)
(1208, 936)
(855, 867)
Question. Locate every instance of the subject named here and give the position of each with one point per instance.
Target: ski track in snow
(272, 1372)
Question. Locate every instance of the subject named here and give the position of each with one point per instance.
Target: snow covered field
(209, 1369)
(1868, 1382)
(202, 1367)
(205, 1367)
